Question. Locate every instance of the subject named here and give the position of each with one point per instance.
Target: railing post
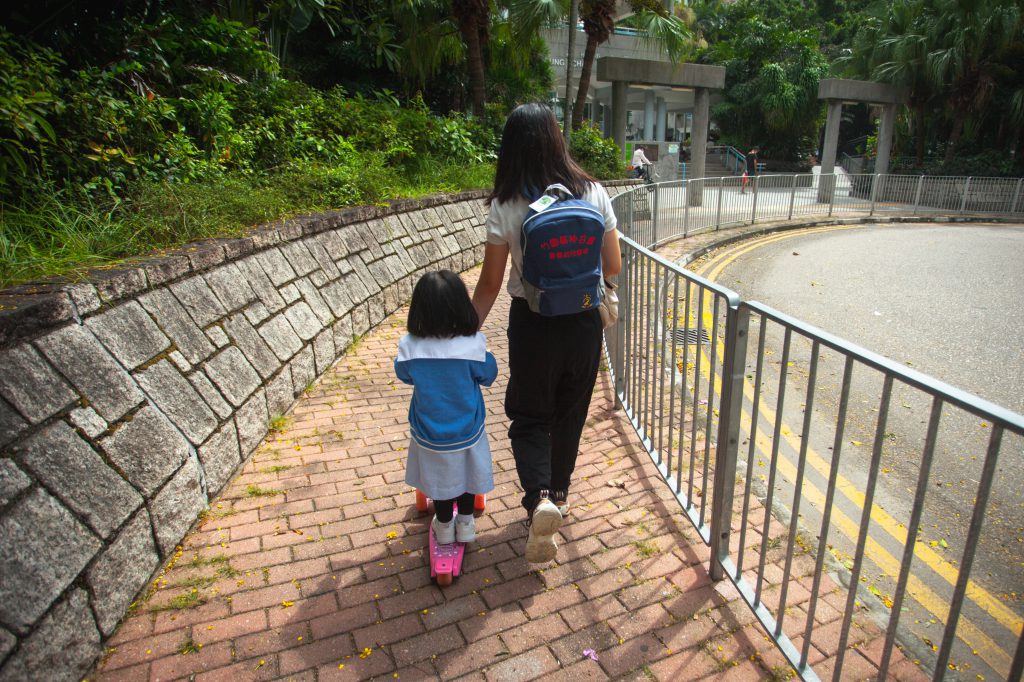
(753, 209)
(875, 180)
(730, 408)
(686, 210)
(792, 198)
(654, 215)
(832, 193)
(1016, 196)
(718, 211)
(967, 190)
(917, 195)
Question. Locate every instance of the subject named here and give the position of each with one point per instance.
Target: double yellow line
(998, 659)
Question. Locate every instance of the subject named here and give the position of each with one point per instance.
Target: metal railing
(779, 440)
(733, 160)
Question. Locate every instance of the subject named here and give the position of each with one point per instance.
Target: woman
(553, 361)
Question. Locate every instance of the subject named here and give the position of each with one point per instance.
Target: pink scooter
(446, 560)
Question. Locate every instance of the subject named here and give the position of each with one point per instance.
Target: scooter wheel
(444, 579)
(421, 502)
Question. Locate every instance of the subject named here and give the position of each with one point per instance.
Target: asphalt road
(947, 301)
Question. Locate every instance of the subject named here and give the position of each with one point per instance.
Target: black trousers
(553, 365)
(445, 509)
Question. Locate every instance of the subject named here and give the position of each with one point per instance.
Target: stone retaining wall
(127, 401)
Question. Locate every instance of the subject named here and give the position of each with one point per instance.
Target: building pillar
(619, 92)
(670, 125)
(884, 145)
(698, 147)
(648, 115)
(829, 149)
(659, 123)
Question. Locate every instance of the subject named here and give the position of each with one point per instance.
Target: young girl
(445, 358)
(552, 361)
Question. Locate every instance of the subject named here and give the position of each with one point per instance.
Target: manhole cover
(690, 336)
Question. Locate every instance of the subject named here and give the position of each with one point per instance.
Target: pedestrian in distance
(750, 169)
(641, 164)
(553, 360)
(445, 358)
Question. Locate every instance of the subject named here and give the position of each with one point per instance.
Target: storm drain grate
(691, 337)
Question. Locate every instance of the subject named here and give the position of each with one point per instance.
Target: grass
(278, 423)
(256, 491)
(181, 602)
(646, 548)
(276, 468)
(189, 647)
(61, 235)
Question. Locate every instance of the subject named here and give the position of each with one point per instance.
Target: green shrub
(600, 156)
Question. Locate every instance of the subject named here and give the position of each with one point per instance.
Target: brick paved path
(311, 565)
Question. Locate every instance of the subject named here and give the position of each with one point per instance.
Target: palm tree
(662, 27)
(971, 39)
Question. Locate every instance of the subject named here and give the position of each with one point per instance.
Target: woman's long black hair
(533, 155)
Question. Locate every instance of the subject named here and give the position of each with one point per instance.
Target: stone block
(323, 351)
(333, 244)
(303, 370)
(79, 356)
(183, 365)
(43, 547)
(365, 276)
(122, 570)
(119, 284)
(252, 345)
(356, 287)
(176, 398)
(281, 338)
(72, 470)
(129, 333)
(322, 257)
(87, 421)
(199, 300)
(178, 325)
(219, 457)
(261, 284)
(315, 301)
(31, 386)
(253, 422)
(375, 306)
(64, 646)
(353, 239)
(233, 375)
(360, 321)
(230, 286)
(11, 425)
(280, 393)
(289, 293)
(342, 334)
(276, 267)
(217, 334)
(372, 232)
(147, 449)
(210, 394)
(84, 297)
(303, 321)
(12, 481)
(256, 313)
(337, 297)
(162, 269)
(299, 257)
(176, 507)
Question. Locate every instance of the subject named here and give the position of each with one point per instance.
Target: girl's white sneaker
(444, 532)
(465, 528)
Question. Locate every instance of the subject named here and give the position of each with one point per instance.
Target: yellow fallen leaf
(856, 442)
(286, 604)
(365, 652)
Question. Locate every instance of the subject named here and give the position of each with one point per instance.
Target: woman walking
(553, 361)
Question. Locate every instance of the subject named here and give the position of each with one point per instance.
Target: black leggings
(553, 365)
(445, 508)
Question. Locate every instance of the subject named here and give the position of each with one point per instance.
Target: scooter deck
(445, 560)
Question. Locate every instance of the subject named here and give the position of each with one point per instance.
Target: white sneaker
(443, 532)
(465, 528)
(544, 523)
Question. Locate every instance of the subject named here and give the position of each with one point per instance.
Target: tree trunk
(581, 93)
(954, 135)
(919, 133)
(468, 15)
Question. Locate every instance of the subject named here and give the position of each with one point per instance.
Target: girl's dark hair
(441, 307)
(533, 155)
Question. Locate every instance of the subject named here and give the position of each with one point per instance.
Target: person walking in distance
(641, 164)
(553, 360)
(445, 358)
(750, 170)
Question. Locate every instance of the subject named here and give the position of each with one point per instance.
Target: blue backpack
(561, 239)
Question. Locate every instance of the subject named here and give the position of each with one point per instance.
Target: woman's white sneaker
(544, 523)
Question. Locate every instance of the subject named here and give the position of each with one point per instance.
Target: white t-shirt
(639, 157)
(505, 221)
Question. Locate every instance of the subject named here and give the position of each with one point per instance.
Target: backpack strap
(559, 187)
